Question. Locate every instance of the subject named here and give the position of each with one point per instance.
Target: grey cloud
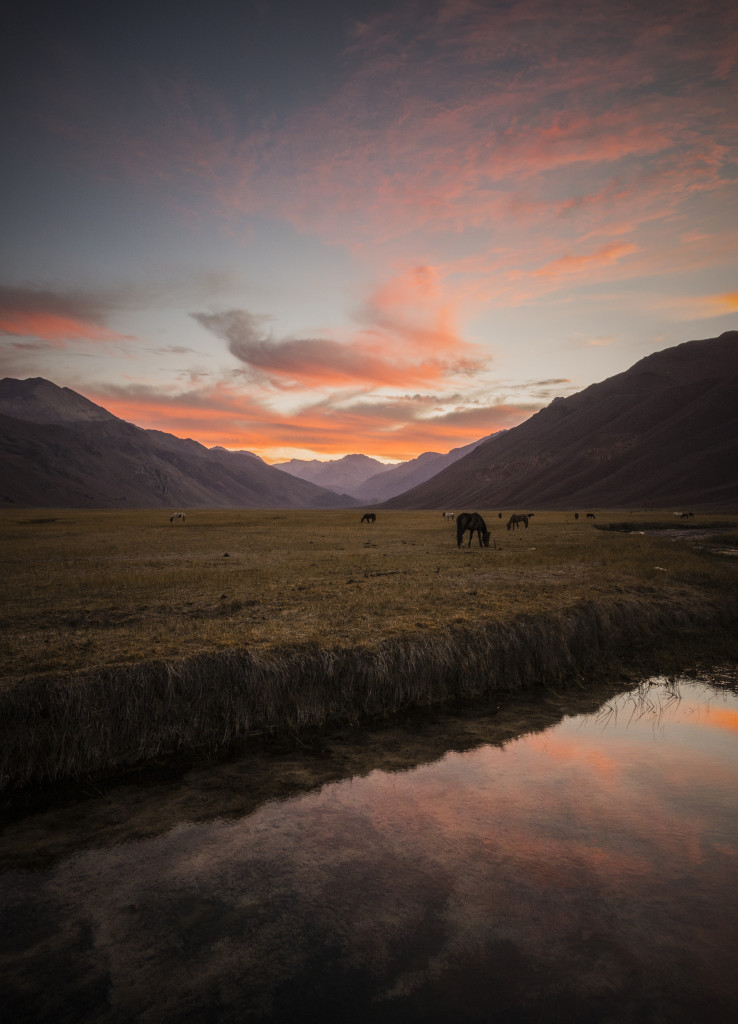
(90, 306)
(250, 341)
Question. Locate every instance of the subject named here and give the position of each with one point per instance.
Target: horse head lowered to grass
(473, 522)
(515, 520)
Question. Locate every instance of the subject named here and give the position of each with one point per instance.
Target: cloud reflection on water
(572, 874)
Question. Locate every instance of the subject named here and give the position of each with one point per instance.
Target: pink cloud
(407, 338)
(54, 328)
(568, 265)
(222, 413)
(54, 317)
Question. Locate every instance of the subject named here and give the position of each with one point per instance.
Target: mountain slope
(344, 475)
(68, 452)
(409, 474)
(663, 433)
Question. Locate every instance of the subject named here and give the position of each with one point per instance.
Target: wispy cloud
(221, 412)
(407, 338)
(573, 124)
(54, 317)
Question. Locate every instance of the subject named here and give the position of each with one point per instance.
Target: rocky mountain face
(57, 449)
(663, 433)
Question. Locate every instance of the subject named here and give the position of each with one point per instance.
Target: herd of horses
(470, 522)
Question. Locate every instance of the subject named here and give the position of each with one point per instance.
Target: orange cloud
(394, 429)
(55, 317)
(55, 328)
(726, 303)
(568, 265)
(697, 307)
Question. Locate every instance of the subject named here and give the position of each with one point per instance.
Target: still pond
(570, 859)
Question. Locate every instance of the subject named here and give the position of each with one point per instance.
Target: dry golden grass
(85, 590)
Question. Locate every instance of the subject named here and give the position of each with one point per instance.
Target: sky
(308, 230)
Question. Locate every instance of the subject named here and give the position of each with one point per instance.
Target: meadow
(148, 636)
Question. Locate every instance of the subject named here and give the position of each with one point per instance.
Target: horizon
(362, 228)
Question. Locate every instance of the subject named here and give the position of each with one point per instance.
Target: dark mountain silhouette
(662, 434)
(57, 449)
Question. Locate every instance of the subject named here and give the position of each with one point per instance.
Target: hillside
(345, 475)
(663, 433)
(398, 479)
(57, 449)
(369, 480)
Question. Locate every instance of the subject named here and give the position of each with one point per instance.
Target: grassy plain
(87, 589)
(210, 611)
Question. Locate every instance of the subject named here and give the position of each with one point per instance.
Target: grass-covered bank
(343, 623)
(106, 722)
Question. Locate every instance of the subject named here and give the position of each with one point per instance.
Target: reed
(361, 626)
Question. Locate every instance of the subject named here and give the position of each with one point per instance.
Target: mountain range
(372, 481)
(58, 449)
(663, 433)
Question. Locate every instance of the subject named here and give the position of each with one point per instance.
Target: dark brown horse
(515, 520)
(369, 517)
(473, 522)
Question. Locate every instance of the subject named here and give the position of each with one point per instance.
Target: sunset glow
(363, 227)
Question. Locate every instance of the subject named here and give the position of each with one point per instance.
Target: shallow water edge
(564, 859)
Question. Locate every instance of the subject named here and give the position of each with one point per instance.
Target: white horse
(448, 515)
(177, 515)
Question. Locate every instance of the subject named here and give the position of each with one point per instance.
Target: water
(586, 871)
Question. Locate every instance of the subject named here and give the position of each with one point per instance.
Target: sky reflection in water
(585, 873)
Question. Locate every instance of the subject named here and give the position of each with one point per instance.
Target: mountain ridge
(93, 459)
(662, 433)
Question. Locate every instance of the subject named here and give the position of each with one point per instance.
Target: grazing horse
(576, 515)
(499, 515)
(369, 517)
(591, 515)
(473, 522)
(514, 522)
(448, 515)
(177, 515)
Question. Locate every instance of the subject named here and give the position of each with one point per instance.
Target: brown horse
(369, 517)
(514, 522)
(473, 522)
